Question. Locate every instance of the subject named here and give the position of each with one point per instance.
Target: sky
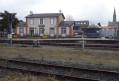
(93, 10)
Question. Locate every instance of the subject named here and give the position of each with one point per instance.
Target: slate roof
(82, 23)
(66, 23)
(21, 24)
(77, 23)
(113, 23)
(44, 15)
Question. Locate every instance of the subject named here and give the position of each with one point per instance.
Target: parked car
(77, 35)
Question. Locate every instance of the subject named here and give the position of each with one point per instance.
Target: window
(36, 31)
(31, 21)
(63, 30)
(41, 21)
(51, 30)
(41, 31)
(52, 21)
(31, 30)
(21, 31)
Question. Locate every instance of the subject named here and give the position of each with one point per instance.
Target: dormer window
(41, 21)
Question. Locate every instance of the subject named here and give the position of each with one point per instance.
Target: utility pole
(11, 19)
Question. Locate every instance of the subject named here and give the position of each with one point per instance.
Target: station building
(48, 24)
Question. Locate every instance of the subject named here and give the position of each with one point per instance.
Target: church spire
(114, 16)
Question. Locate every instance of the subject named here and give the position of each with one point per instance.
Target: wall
(67, 31)
(18, 30)
(108, 33)
(46, 22)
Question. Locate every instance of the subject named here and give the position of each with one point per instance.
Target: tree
(4, 21)
(93, 26)
(69, 18)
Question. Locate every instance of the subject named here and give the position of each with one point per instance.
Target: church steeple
(114, 16)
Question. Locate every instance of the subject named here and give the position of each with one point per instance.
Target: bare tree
(93, 26)
(69, 18)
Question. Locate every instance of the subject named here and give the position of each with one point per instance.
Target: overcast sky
(93, 10)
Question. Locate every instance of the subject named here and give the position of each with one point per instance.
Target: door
(31, 32)
(21, 32)
(41, 31)
(63, 32)
(52, 32)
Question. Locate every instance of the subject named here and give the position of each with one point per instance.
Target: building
(21, 28)
(48, 24)
(66, 28)
(112, 29)
(41, 24)
(114, 23)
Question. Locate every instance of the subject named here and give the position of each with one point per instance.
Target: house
(48, 24)
(79, 25)
(21, 28)
(40, 24)
(66, 28)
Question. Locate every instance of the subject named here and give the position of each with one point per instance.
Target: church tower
(114, 16)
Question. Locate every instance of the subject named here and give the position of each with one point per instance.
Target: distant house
(48, 24)
(79, 25)
(113, 27)
(114, 23)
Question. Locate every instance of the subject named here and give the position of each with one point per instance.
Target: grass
(9, 75)
(63, 53)
(108, 57)
(21, 77)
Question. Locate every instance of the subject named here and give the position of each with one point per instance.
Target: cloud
(93, 10)
(21, 7)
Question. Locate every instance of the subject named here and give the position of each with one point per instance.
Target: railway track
(29, 42)
(73, 73)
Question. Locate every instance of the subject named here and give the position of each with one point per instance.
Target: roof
(113, 23)
(77, 23)
(111, 27)
(82, 23)
(21, 24)
(66, 23)
(44, 15)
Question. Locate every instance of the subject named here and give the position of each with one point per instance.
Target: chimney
(60, 11)
(31, 13)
